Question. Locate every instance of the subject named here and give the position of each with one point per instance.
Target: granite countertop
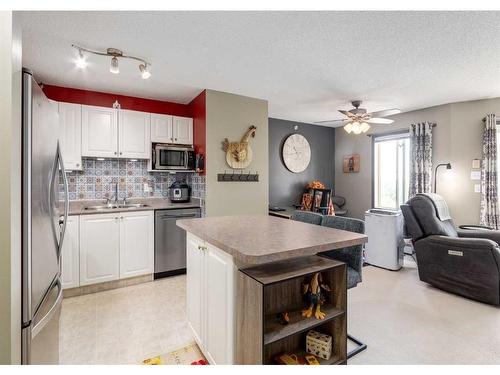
(78, 207)
(259, 239)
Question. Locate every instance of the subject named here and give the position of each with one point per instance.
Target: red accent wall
(199, 114)
(102, 99)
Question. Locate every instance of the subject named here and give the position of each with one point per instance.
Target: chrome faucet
(114, 199)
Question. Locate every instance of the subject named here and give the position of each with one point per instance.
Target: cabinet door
(182, 130)
(219, 329)
(194, 287)
(71, 254)
(136, 243)
(99, 132)
(99, 248)
(70, 135)
(161, 128)
(134, 134)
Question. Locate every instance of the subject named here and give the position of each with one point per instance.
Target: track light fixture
(115, 54)
(80, 60)
(145, 74)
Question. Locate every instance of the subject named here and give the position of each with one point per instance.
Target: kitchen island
(241, 270)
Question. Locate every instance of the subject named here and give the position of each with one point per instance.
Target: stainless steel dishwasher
(170, 241)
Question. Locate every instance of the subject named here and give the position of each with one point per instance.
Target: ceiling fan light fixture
(365, 127)
(113, 68)
(145, 73)
(348, 128)
(356, 127)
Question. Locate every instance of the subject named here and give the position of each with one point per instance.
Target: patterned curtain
(420, 158)
(489, 207)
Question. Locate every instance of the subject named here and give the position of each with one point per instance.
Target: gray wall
(285, 187)
(456, 139)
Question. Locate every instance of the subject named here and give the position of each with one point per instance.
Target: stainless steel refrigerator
(45, 211)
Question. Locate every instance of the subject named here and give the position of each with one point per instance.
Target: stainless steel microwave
(171, 157)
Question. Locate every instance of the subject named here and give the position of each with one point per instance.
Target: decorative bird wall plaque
(239, 154)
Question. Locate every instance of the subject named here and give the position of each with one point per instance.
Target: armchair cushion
(425, 212)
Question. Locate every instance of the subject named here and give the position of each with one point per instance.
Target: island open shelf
(267, 290)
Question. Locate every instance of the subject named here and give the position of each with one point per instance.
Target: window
(391, 156)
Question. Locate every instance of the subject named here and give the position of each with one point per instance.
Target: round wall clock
(296, 153)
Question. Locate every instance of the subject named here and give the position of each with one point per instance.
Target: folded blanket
(443, 213)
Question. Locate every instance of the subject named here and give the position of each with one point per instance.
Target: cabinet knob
(77, 164)
(116, 153)
(175, 138)
(121, 153)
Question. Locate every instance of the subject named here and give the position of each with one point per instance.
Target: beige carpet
(405, 321)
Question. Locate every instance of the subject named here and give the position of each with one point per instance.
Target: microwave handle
(153, 158)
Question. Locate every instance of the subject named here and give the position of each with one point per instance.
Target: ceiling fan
(358, 119)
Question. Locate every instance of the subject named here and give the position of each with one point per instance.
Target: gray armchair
(463, 261)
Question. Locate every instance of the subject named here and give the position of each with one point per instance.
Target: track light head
(81, 62)
(113, 68)
(145, 74)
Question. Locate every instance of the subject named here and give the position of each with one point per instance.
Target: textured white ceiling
(306, 64)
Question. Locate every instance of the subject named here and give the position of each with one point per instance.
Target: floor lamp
(448, 166)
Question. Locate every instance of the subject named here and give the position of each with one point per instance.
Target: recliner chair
(463, 261)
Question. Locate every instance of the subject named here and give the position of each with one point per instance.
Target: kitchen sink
(107, 207)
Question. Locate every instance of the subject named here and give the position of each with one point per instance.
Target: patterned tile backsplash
(97, 179)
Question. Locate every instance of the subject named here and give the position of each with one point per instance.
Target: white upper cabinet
(71, 254)
(70, 135)
(136, 243)
(182, 130)
(134, 134)
(99, 132)
(161, 128)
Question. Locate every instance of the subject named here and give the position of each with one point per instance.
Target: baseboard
(109, 285)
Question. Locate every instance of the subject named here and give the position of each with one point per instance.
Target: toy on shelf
(314, 297)
(283, 318)
(319, 344)
(311, 360)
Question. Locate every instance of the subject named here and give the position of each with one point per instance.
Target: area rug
(188, 355)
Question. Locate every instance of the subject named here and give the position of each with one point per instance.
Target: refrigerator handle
(66, 201)
(39, 326)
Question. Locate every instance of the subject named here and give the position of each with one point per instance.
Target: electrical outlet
(146, 187)
(477, 188)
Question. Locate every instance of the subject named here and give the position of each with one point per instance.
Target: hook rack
(238, 177)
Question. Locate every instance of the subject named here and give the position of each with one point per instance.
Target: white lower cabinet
(136, 244)
(210, 299)
(115, 246)
(99, 248)
(71, 254)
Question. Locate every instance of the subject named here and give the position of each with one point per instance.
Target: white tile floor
(403, 321)
(125, 326)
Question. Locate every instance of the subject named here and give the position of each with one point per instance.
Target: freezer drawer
(170, 241)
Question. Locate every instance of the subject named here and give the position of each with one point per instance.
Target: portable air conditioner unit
(384, 229)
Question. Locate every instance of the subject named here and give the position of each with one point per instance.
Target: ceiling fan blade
(330, 121)
(375, 120)
(348, 113)
(385, 112)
